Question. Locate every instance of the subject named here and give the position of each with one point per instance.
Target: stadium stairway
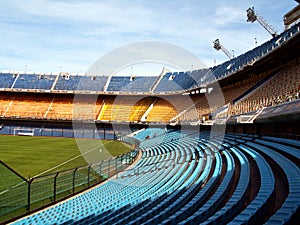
(186, 178)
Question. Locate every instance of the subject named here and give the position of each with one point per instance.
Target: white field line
(20, 146)
(81, 193)
(92, 149)
(56, 166)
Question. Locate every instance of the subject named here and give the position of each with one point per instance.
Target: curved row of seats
(187, 178)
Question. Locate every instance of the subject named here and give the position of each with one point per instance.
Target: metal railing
(19, 196)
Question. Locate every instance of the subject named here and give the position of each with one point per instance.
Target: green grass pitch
(36, 156)
(32, 156)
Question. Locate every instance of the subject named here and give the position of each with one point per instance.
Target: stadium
(216, 145)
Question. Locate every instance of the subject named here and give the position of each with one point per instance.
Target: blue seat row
(254, 211)
(236, 201)
(280, 147)
(128, 212)
(34, 81)
(192, 179)
(7, 80)
(174, 201)
(292, 203)
(284, 141)
(194, 205)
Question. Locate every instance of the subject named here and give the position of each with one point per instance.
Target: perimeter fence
(19, 195)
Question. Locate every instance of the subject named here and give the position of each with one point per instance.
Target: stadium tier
(251, 93)
(184, 178)
(170, 82)
(284, 86)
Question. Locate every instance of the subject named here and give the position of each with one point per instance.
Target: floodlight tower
(218, 46)
(253, 16)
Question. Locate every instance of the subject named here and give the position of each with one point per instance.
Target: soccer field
(32, 156)
(36, 156)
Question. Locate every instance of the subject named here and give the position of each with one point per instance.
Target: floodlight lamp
(251, 15)
(217, 44)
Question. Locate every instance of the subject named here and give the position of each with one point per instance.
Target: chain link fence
(19, 195)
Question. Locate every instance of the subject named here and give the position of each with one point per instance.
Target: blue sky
(70, 35)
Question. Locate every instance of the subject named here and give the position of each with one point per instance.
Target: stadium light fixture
(252, 16)
(218, 47)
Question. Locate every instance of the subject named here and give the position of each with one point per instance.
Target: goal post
(23, 132)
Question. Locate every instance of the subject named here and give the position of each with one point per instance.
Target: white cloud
(225, 15)
(47, 34)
